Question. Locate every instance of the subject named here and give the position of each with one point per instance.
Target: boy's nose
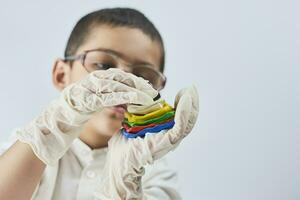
(125, 68)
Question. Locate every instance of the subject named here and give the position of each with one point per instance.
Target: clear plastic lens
(96, 60)
(149, 74)
(99, 60)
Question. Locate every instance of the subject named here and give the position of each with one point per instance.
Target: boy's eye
(106, 65)
(102, 66)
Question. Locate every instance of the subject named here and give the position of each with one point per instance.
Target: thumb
(182, 115)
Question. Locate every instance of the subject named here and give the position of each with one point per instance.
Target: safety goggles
(102, 59)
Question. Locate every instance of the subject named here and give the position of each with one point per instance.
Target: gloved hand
(51, 133)
(126, 158)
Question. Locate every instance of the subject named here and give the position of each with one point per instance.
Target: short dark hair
(126, 17)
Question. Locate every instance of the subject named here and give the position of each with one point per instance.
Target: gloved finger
(192, 91)
(97, 85)
(106, 86)
(137, 109)
(82, 98)
(178, 96)
(182, 115)
(195, 108)
(128, 79)
(117, 98)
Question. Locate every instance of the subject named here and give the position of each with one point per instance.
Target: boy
(114, 61)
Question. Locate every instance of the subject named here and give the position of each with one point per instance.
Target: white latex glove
(51, 133)
(126, 158)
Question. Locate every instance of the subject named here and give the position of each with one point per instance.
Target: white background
(243, 56)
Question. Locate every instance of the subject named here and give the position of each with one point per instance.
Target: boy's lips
(119, 108)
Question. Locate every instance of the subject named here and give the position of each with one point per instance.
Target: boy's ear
(61, 74)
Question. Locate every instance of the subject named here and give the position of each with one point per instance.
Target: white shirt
(77, 172)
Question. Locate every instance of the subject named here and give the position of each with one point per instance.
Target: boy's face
(136, 48)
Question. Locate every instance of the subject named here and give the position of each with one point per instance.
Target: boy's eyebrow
(119, 54)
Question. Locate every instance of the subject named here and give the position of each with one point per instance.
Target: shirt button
(84, 152)
(90, 174)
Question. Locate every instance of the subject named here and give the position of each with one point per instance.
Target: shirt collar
(85, 154)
